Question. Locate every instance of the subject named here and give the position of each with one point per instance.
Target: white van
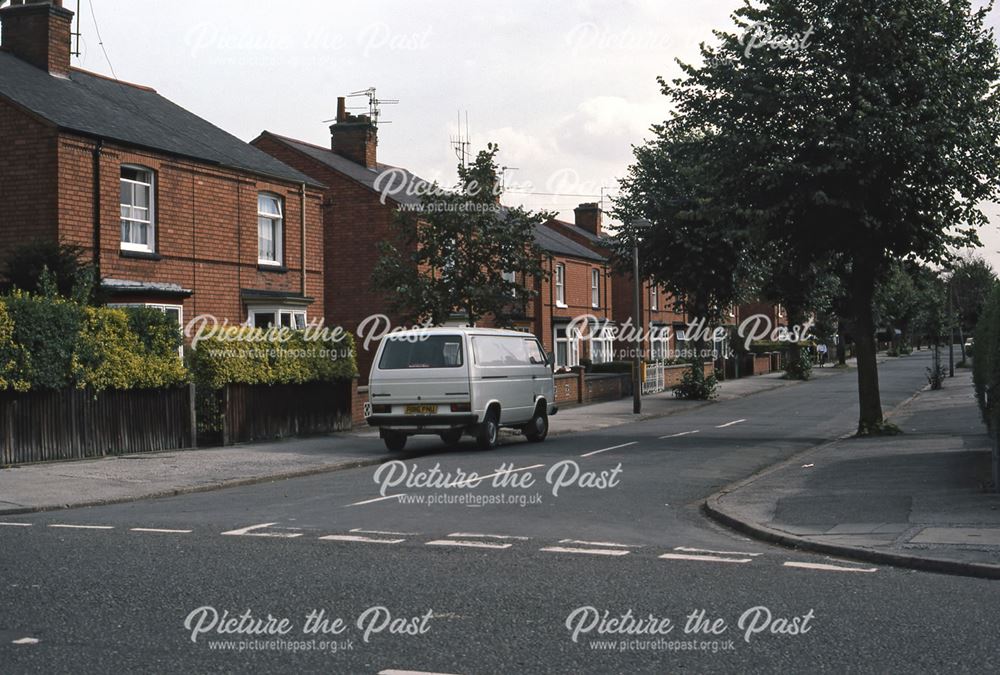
(453, 381)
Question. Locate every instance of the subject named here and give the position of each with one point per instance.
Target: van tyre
(488, 432)
(394, 441)
(538, 428)
(451, 437)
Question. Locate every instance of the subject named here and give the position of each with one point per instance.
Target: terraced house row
(180, 215)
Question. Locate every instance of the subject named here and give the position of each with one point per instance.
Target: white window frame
(595, 288)
(278, 311)
(150, 222)
(512, 278)
(279, 229)
(163, 307)
(654, 298)
(601, 334)
(572, 348)
(560, 282)
(659, 343)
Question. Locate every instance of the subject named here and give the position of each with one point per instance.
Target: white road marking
(598, 543)
(707, 550)
(703, 558)
(359, 538)
(683, 433)
(377, 499)
(591, 551)
(15, 524)
(467, 544)
(613, 447)
(25, 641)
(389, 532)
(156, 529)
(808, 466)
(829, 568)
(409, 672)
(85, 527)
(469, 535)
(492, 475)
(249, 532)
(729, 424)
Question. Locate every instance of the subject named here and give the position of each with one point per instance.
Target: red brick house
(656, 306)
(175, 212)
(357, 214)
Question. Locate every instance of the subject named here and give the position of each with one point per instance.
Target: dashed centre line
(15, 524)
(729, 424)
(377, 499)
(360, 539)
(84, 527)
(591, 551)
(702, 558)
(504, 472)
(467, 544)
(682, 433)
(613, 447)
(160, 530)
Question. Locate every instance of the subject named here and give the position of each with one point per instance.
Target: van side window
(535, 354)
(426, 351)
(499, 351)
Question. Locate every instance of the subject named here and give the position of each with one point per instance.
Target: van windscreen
(423, 351)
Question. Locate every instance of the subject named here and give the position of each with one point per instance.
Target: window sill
(140, 255)
(562, 305)
(267, 267)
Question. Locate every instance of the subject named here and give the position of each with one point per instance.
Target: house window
(266, 317)
(654, 300)
(595, 288)
(601, 344)
(137, 209)
(561, 285)
(511, 278)
(175, 312)
(270, 220)
(567, 349)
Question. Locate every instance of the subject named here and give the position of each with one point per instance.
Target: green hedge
(986, 360)
(49, 342)
(245, 355)
(612, 367)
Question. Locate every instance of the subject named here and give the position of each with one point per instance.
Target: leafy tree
(72, 275)
(454, 255)
(971, 282)
(872, 138)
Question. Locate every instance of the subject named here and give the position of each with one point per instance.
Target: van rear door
(422, 373)
(503, 372)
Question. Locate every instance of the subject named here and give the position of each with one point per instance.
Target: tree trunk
(793, 349)
(841, 344)
(869, 398)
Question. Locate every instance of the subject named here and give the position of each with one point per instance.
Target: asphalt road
(499, 576)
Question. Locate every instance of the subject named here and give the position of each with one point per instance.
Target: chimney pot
(38, 32)
(354, 137)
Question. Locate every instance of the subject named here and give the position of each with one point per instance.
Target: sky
(565, 87)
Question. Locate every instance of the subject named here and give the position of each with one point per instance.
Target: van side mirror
(550, 357)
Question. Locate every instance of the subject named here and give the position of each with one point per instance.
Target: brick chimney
(588, 217)
(354, 136)
(38, 31)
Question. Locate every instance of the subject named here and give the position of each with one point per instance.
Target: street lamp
(636, 312)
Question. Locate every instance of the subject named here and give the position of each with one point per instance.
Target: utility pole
(637, 347)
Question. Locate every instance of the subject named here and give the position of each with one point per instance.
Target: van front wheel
(538, 428)
(488, 433)
(394, 441)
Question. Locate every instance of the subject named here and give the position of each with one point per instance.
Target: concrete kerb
(713, 508)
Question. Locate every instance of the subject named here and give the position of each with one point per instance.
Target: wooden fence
(39, 426)
(264, 412)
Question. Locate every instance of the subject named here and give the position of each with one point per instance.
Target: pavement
(110, 480)
(920, 499)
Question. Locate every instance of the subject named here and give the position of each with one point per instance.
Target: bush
(985, 362)
(244, 355)
(695, 385)
(800, 369)
(56, 343)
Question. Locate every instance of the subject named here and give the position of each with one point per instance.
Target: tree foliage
(451, 255)
(971, 282)
(874, 140)
(32, 266)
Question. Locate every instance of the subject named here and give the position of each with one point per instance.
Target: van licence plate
(421, 410)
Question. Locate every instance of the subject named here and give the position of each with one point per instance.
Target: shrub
(612, 367)
(10, 355)
(695, 385)
(244, 355)
(46, 330)
(800, 369)
(985, 362)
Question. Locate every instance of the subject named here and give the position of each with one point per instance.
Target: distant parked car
(969, 344)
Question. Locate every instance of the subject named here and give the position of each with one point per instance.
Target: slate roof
(545, 237)
(137, 116)
(602, 240)
(355, 171)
